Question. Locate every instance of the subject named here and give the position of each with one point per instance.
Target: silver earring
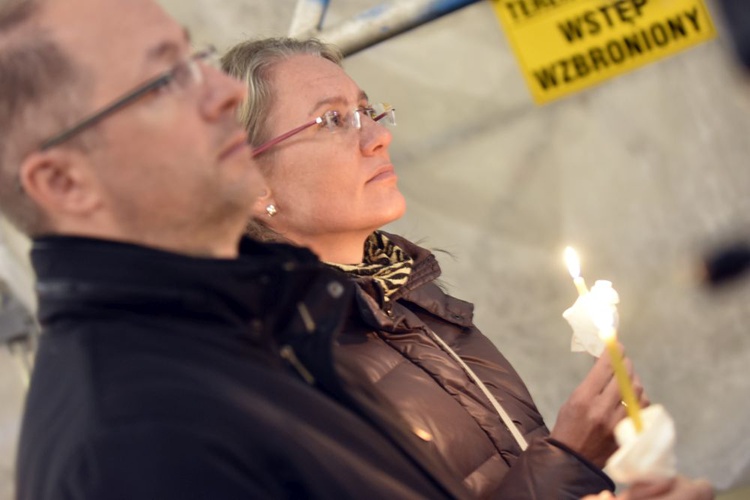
(271, 210)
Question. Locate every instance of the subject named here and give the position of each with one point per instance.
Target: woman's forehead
(315, 80)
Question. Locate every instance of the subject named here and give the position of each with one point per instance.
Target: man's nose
(224, 94)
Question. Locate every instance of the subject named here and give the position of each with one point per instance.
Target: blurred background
(644, 175)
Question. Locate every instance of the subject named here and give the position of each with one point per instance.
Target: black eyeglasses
(333, 121)
(183, 75)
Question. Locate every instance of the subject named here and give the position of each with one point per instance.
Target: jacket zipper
(290, 356)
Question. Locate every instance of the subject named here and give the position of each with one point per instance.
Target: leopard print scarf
(384, 263)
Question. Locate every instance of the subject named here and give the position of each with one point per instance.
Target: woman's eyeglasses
(333, 121)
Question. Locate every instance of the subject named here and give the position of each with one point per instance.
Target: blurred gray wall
(641, 174)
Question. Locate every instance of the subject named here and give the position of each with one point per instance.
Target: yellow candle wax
(627, 393)
(580, 286)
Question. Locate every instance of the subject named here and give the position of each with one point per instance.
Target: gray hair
(252, 61)
(36, 82)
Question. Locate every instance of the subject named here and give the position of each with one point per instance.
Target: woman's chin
(393, 214)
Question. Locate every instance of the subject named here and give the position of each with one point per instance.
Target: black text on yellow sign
(565, 46)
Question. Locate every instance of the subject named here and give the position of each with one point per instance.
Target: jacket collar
(80, 275)
(420, 290)
(425, 269)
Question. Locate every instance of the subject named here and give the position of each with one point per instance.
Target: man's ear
(60, 182)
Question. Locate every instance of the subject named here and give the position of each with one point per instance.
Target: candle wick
(580, 286)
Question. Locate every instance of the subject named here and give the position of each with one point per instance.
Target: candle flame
(573, 263)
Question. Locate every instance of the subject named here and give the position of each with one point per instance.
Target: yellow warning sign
(565, 46)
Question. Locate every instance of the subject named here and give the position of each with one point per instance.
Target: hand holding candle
(646, 438)
(599, 308)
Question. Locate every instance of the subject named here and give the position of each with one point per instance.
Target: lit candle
(604, 319)
(574, 268)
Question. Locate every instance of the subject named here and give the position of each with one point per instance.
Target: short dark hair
(37, 82)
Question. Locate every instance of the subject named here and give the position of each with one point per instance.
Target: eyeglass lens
(378, 112)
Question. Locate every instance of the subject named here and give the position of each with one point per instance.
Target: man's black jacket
(163, 376)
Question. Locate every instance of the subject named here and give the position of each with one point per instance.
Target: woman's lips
(382, 173)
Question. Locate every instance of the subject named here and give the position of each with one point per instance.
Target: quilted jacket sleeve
(548, 470)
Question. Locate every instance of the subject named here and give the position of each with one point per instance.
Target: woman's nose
(374, 137)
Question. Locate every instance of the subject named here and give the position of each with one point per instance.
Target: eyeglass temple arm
(384, 114)
(93, 120)
(267, 145)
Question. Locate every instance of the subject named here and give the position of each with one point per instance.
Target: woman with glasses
(322, 146)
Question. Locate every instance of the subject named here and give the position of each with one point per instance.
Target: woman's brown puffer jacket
(397, 350)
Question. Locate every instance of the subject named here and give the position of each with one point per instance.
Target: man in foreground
(177, 361)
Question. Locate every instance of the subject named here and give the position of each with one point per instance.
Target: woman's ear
(59, 182)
